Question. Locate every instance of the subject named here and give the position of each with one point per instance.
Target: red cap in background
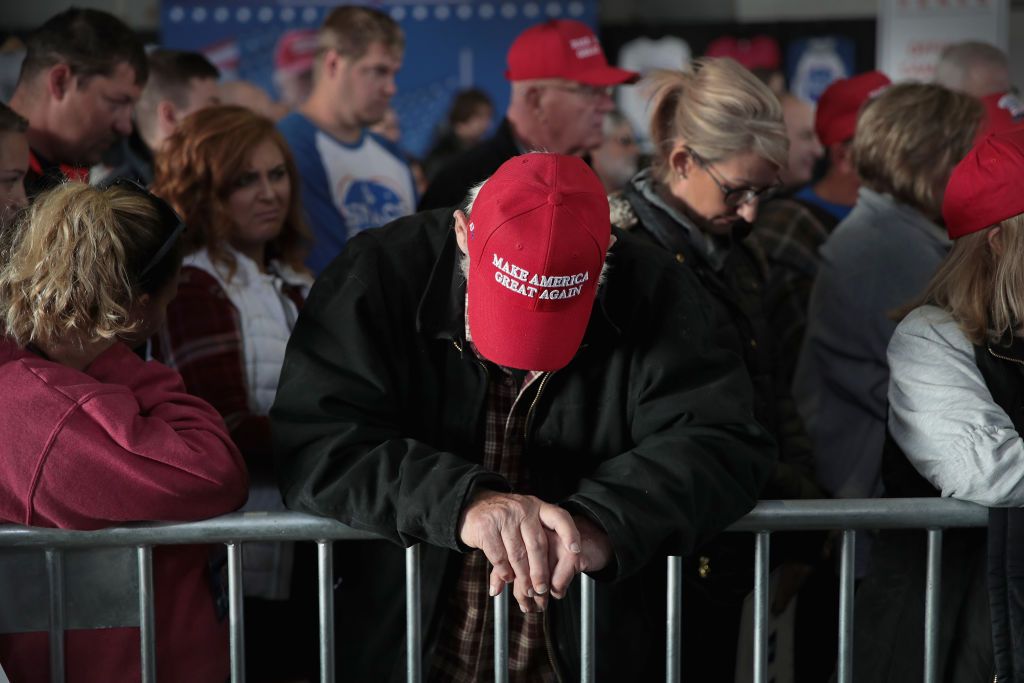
(538, 235)
(562, 48)
(838, 107)
(296, 51)
(985, 187)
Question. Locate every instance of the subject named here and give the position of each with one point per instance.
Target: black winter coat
(378, 422)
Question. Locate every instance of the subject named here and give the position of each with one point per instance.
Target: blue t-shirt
(807, 194)
(346, 188)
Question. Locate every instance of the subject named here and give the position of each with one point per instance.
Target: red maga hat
(985, 187)
(538, 234)
(838, 107)
(562, 48)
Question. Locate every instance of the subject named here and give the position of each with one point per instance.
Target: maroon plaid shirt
(465, 651)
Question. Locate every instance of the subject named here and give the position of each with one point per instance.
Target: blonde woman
(956, 388)
(720, 142)
(94, 436)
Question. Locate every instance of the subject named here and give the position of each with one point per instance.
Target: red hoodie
(121, 441)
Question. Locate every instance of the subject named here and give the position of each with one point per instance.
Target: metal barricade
(931, 514)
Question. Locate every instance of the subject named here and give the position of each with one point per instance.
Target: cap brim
(524, 339)
(606, 75)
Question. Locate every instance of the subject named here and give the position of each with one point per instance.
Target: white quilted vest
(266, 316)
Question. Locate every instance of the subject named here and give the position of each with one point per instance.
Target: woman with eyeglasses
(230, 174)
(94, 436)
(720, 142)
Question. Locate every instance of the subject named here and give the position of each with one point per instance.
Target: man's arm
(700, 458)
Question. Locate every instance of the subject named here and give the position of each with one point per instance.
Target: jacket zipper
(1012, 360)
(533, 404)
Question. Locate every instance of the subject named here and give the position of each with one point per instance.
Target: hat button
(555, 198)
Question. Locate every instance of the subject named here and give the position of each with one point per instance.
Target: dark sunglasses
(169, 218)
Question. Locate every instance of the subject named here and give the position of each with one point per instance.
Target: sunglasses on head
(169, 218)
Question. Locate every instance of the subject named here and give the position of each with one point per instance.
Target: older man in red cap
(789, 230)
(528, 398)
(561, 91)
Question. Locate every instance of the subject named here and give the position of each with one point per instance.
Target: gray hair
(958, 60)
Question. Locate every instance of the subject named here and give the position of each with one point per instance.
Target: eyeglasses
(735, 197)
(587, 92)
(169, 219)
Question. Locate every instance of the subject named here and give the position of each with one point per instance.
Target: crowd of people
(537, 354)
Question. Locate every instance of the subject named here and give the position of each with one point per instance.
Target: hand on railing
(531, 544)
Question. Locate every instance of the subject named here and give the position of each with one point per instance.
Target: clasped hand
(536, 546)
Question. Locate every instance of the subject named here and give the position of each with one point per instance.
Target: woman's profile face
(259, 200)
(704, 186)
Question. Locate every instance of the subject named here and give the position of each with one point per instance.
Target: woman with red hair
(230, 174)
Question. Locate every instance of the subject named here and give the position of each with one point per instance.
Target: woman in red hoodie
(92, 436)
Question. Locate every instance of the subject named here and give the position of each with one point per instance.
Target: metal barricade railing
(931, 514)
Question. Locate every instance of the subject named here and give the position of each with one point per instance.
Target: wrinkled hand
(532, 544)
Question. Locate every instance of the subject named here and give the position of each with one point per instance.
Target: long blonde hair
(77, 261)
(982, 290)
(719, 108)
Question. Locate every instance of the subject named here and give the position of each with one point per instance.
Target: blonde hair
(910, 137)
(983, 291)
(719, 109)
(74, 265)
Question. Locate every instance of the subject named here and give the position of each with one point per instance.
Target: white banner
(912, 33)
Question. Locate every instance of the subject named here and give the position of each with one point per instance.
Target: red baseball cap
(538, 234)
(985, 187)
(296, 51)
(1003, 111)
(562, 48)
(838, 107)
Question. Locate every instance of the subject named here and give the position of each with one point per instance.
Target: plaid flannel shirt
(465, 650)
(787, 236)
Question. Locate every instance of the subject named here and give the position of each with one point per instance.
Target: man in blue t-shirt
(352, 179)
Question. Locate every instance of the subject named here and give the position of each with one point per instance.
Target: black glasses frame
(735, 197)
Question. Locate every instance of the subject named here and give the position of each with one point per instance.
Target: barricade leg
(413, 619)
(55, 575)
(236, 615)
(147, 619)
(325, 593)
(501, 635)
(761, 549)
(587, 654)
(846, 576)
(933, 586)
(674, 627)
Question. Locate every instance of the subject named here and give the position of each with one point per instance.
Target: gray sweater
(879, 259)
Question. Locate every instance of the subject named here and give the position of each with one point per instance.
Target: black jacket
(378, 422)
(465, 170)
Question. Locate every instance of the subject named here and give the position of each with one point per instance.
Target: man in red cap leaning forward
(561, 91)
(527, 397)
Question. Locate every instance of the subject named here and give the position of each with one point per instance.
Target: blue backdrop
(449, 45)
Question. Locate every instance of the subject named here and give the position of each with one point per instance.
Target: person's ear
(462, 231)
(333, 63)
(59, 80)
(166, 116)
(680, 161)
(995, 240)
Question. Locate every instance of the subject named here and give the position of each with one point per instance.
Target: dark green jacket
(379, 423)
